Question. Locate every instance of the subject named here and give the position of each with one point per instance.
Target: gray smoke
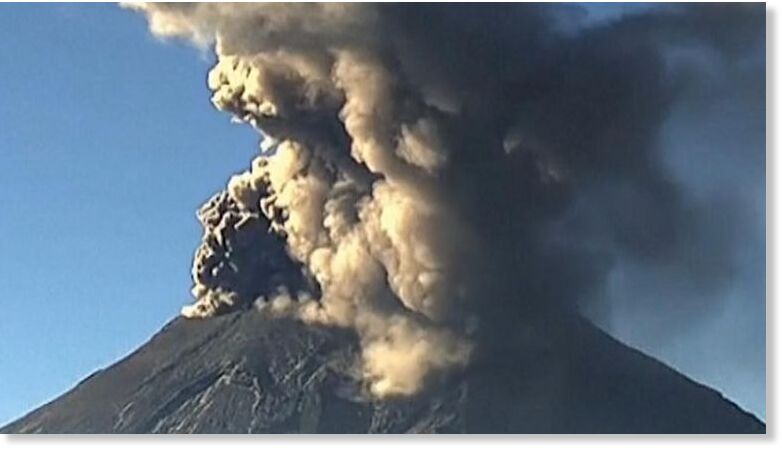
(431, 176)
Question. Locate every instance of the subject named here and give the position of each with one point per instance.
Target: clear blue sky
(108, 144)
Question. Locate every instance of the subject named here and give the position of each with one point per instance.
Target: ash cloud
(436, 175)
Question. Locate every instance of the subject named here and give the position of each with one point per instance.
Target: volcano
(244, 372)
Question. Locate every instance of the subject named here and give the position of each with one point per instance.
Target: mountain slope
(245, 373)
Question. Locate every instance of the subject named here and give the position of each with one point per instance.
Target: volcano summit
(245, 373)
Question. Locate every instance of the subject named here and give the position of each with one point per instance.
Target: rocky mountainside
(245, 373)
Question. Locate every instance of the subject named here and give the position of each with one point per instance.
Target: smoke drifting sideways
(433, 176)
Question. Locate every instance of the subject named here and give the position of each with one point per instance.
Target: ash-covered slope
(245, 373)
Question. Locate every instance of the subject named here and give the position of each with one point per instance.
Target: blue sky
(108, 144)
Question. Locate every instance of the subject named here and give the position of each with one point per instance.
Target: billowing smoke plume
(431, 176)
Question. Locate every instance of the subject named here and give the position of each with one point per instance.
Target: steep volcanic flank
(244, 373)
